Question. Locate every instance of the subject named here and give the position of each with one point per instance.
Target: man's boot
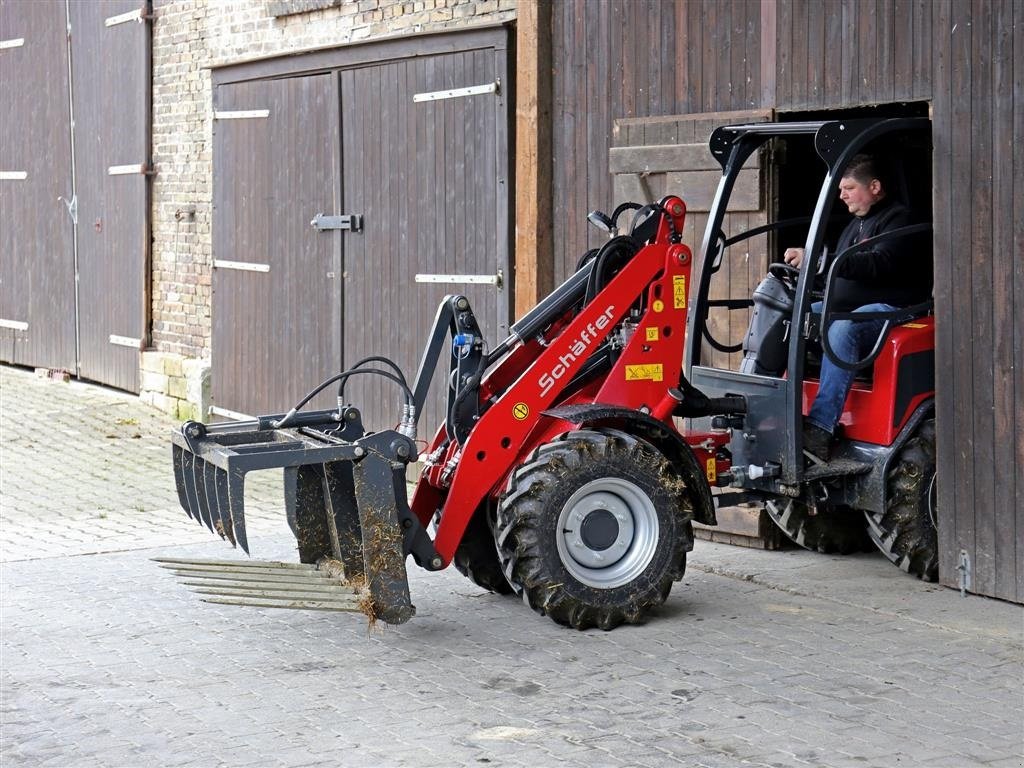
(817, 441)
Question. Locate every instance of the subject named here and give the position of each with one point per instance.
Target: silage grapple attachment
(346, 503)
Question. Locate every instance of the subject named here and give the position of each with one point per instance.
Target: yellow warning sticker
(915, 325)
(520, 411)
(712, 470)
(652, 334)
(679, 291)
(658, 305)
(648, 372)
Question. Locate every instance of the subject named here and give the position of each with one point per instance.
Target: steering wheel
(787, 273)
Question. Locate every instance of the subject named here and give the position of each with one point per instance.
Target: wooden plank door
(429, 173)
(111, 86)
(276, 279)
(37, 269)
(656, 156)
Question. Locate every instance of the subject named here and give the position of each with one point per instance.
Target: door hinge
(350, 221)
(72, 206)
(497, 279)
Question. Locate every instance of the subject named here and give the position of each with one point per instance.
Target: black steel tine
(220, 485)
(199, 478)
(188, 460)
(236, 503)
(210, 488)
(179, 477)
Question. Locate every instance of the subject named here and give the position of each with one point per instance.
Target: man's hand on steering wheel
(787, 273)
(794, 257)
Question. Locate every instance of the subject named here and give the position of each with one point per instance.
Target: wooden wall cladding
(625, 59)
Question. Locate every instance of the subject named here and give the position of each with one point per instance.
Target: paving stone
(758, 659)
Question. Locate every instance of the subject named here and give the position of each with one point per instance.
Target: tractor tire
(593, 529)
(906, 532)
(476, 557)
(832, 531)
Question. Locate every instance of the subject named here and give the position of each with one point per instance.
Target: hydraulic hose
(342, 378)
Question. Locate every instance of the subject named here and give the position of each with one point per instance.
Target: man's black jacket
(896, 272)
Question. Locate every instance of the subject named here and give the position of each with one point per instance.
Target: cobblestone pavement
(758, 658)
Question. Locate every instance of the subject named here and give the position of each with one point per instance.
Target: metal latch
(964, 567)
(350, 221)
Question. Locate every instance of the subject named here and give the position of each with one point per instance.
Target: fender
(659, 434)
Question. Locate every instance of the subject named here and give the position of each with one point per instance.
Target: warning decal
(649, 372)
(652, 334)
(712, 470)
(679, 291)
(520, 411)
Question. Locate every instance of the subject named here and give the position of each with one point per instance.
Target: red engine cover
(903, 377)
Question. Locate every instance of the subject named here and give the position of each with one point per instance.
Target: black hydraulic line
(375, 359)
(472, 386)
(624, 247)
(342, 378)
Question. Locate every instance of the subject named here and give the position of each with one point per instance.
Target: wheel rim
(607, 533)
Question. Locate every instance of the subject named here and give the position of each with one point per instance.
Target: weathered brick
(176, 387)
(153, 362)
(154, 382)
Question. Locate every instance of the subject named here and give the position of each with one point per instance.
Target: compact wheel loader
(576, 455)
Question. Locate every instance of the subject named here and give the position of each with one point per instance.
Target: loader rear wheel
(594, 528)
(907, 532)
(477, 555)
(830, 530)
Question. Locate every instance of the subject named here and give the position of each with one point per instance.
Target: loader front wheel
(593, 529)
(907, 531)
(477, 556)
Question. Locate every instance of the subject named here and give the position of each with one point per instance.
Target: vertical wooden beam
(534, 255)
(769, 14)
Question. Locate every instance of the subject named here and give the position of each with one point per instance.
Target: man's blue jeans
(851, 341)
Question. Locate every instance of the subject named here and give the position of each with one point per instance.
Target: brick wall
(190, 37)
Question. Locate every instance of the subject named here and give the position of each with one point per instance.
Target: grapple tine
(210, 489)
(268, 584)
(340, 494)
(236, 506)
(199, 478)
(179, 477)
(220, 486)
(188, 460)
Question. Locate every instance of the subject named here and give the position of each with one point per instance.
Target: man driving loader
(883, 278)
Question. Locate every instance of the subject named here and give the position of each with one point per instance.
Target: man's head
(860, 187)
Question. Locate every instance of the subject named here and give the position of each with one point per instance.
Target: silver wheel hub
(607, 532)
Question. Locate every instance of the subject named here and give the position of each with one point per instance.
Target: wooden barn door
(276, 278)
(110, 83)
(425, 158)
(37, 266)
(417, 148)
(74, 154)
